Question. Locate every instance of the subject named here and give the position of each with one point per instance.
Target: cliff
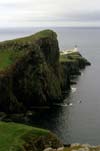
(71, 63)
(31, 73)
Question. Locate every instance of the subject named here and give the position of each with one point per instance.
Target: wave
(73, 89)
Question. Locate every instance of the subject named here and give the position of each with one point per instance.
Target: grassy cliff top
(11, 50)
(11, 135)
(36, 36)
(71, 57)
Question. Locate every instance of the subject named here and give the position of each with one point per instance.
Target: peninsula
(34, 73)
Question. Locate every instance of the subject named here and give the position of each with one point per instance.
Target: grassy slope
(11, 135)
(72, 57)
(9, 50)
(8, 57)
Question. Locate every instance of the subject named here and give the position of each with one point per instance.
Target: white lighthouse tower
(76, 48)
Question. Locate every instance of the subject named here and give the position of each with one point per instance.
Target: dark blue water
(81, 121)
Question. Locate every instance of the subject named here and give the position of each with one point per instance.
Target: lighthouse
(75, 48)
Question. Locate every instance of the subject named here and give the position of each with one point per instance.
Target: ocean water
(79, 122)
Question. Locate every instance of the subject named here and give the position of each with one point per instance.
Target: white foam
(64, 105)
(58, 104)
(73, 89)
(70, 104)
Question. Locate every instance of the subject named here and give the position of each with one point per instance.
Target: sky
(29, 13)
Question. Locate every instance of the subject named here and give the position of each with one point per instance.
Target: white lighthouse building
(76, 48)
(64, 52)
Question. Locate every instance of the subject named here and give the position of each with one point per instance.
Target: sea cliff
(72, 62)
(34, 73)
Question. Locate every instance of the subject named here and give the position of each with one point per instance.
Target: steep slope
(71, 65)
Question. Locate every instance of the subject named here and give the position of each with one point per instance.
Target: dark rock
(73, 82)
(67, 145)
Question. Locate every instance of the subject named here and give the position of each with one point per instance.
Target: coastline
(34, 69)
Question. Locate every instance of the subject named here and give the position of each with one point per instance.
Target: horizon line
(51, 27)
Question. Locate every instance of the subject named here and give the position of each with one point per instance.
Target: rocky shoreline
(76, 147)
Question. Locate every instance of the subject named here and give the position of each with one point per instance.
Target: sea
(78, 122)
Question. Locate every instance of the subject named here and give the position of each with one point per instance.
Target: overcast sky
(49, 13)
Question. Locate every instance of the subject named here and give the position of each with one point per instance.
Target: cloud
(91, 16)
(80, 16)
(32, 12)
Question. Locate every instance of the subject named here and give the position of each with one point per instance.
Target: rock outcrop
(82, 147)
(42, 143)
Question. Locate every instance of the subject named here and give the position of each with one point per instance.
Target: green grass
(65, 58)
(73, 57)
(8, 57)
(11, 135)
(23, 40)
(5, 59)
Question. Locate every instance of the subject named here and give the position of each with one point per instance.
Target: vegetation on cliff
(12, 50)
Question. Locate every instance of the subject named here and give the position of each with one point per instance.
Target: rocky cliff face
(31, 74)
(71, 65)
(33, 77)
